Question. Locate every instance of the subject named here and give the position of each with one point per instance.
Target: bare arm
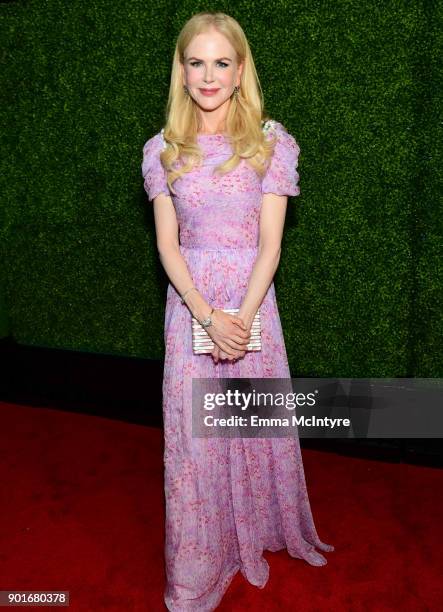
(166, 227)
(225, 331)
(272, 219)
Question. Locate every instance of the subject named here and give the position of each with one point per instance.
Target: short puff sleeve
(281, 175)
(152, 169)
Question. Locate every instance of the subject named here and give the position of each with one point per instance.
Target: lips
(209, 92)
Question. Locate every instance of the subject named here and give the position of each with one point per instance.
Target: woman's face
(210, 71)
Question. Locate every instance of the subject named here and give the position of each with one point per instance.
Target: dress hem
(184, 607)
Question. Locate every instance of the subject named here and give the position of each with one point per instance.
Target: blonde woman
(219, 174)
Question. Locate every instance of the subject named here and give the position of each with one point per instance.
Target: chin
(211, 103)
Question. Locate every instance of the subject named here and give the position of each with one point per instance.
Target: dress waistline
(204, 248)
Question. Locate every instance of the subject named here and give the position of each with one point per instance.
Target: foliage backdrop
(84, 86)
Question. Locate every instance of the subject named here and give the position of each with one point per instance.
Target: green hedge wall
(84, 86)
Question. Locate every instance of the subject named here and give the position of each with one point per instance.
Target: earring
(185, 90)
(236, 91)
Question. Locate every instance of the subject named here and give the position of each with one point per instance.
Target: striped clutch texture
(202, 341)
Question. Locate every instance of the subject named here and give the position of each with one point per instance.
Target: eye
(197, 62)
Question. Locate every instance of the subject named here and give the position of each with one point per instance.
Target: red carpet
(82, 511)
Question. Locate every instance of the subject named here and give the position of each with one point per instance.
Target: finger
(238, 322)
(230, 352)
(224, 346)
(242, 341)
(235, 346)
(229, 356)
(235, 355)
(242, 333)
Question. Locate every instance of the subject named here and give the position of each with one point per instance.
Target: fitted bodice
(216, 211)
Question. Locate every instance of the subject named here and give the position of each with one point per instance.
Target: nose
(208, 75)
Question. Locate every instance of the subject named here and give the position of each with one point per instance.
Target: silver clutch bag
(202, 341)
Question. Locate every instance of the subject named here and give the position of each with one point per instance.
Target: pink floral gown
(227, 499)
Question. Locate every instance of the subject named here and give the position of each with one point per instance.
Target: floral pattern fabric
(227, 499)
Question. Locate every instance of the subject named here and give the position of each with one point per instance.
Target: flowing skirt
(227, 499)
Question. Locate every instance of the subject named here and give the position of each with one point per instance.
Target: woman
(219, 175)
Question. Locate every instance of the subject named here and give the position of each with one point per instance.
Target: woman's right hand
(229, 333)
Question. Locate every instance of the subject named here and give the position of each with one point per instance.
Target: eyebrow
(216, 60)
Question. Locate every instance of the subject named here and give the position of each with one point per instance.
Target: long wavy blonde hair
(243, 124)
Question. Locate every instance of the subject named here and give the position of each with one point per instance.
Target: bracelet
(207, 322)
(182, 297)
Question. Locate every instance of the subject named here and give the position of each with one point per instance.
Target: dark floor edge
(130, 390)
